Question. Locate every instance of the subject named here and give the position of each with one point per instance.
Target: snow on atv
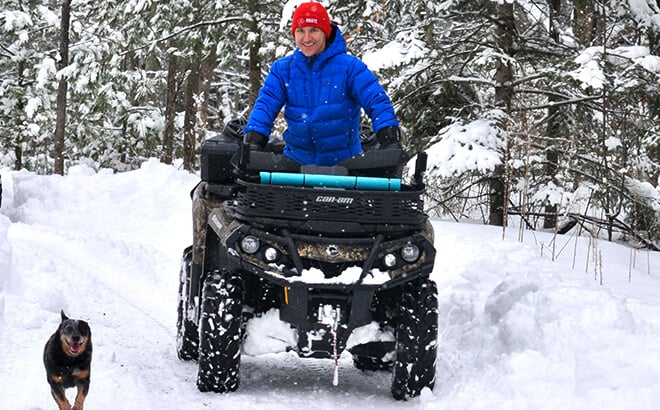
(332, 248)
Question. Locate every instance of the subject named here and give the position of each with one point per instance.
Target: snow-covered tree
(28, 48)
(548, 111)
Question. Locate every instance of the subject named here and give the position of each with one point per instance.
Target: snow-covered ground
(518, 330)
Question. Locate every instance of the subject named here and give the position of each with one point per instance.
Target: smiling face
(74, 336)
(310, 40)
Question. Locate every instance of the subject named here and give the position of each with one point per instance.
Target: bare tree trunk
(62, 88)
(553, 129)
(18, 152)
(608, 203)
(254, 69)
(20, 105)
(205, 78)
(503, 97)
(189, 121)
(587, 22)
(170, 110)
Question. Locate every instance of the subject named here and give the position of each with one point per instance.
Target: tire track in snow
(106, 280)
(95, 270)
(128, 330)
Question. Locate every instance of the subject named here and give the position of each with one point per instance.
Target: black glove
(256, 140)
(389, 137)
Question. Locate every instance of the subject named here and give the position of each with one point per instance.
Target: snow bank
(524, 323)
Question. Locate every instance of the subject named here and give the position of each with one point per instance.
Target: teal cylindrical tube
(330, 181)
(372, 183)
(378, 184)
(282, 178)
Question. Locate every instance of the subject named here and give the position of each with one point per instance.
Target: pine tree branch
(570, 101)
(183, 30)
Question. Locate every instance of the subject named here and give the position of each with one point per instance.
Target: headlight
(250, 244)
(410, 253)
(389, 260)
(271, 254)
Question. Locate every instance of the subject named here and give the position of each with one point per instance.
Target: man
(322, 89)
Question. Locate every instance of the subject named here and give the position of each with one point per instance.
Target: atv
(331, 248)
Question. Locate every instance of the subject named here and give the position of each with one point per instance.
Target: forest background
(546, 110)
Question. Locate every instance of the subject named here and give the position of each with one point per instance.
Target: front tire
(187, 336)
(220, 332)
(416, 339)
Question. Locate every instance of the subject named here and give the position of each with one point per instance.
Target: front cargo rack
(299, 203)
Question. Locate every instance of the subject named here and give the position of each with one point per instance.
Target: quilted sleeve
(270, 101)
(365, 88)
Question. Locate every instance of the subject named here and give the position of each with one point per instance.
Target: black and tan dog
(68, 357)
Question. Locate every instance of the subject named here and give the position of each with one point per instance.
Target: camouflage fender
(203, 203)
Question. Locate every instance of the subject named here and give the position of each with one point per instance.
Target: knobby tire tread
(187, 335)
(220, 332)
(416, 339)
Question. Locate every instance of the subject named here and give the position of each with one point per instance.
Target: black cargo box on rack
(218, 151)
(216, 158)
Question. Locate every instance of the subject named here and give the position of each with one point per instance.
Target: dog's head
(74, 336)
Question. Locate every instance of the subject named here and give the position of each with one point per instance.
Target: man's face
(310, 40)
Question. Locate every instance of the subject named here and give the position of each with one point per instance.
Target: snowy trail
(109, 298)
(517, 329)
(81, 271)
(141, 328)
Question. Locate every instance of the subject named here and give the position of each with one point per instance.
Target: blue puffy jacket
(322, 97)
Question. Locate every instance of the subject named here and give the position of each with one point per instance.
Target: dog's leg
(83, 389)
(60, 398)
(80, 400)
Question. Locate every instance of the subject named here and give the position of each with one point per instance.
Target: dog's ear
(64, 317)
(84, 328)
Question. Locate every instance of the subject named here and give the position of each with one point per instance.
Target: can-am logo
(334, 199)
